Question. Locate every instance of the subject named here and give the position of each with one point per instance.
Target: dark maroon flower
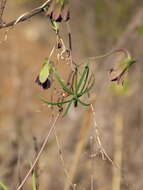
(45, 85)
(119, 73)
(58, 12)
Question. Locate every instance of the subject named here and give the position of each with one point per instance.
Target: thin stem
(124, 51)
(70, 44)
(98, 139)
(92, 161)
(40, 152)
(68, 107)
(63, 161)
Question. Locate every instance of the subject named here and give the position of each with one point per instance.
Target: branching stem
(26, 15)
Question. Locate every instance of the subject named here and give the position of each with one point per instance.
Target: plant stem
(40, 152)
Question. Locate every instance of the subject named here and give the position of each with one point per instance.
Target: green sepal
(127, 62)
(55, 25)
(45, 71)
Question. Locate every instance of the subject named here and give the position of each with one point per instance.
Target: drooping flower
(119, 72)
(44, 77)
(58, 11)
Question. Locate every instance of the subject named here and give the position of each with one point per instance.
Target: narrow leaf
(2, 186)
(34, 181)
(82, 78)
(84, 104)
(67, 109)
(54, 103)
(62, 84)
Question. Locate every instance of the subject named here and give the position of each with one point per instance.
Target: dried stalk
(26, 15)
(80, 146)
(118, 153)
(2, 7)
(63, 161)
(40, 151)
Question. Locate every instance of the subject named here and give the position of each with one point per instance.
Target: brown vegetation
(72, 156)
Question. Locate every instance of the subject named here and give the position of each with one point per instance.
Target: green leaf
(84, 104)
(62, 84)
(45, 71)
(54, 103)
(75, 78)
(67, 109)
(33, 180)
(2, 186)
(82, 78)
(87, 89)
(85, 80)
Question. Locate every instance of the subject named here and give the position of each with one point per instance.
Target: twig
(63, 161)
(36, 169)
(102, 150)
(124, 51)
(26, 15)
(80, 146)
(118, 153)
(92, 162)
(70, 45)
(40, 152)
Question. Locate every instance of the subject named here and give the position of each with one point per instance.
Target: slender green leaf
(75, 77)
(67, 109)
(62, 84)
(87, 89)
(84, 104)
(54, 103)
(85, 80)
(2, 186)
(82, 78)
(34, 181)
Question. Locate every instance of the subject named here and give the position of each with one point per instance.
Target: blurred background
(97, 27)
